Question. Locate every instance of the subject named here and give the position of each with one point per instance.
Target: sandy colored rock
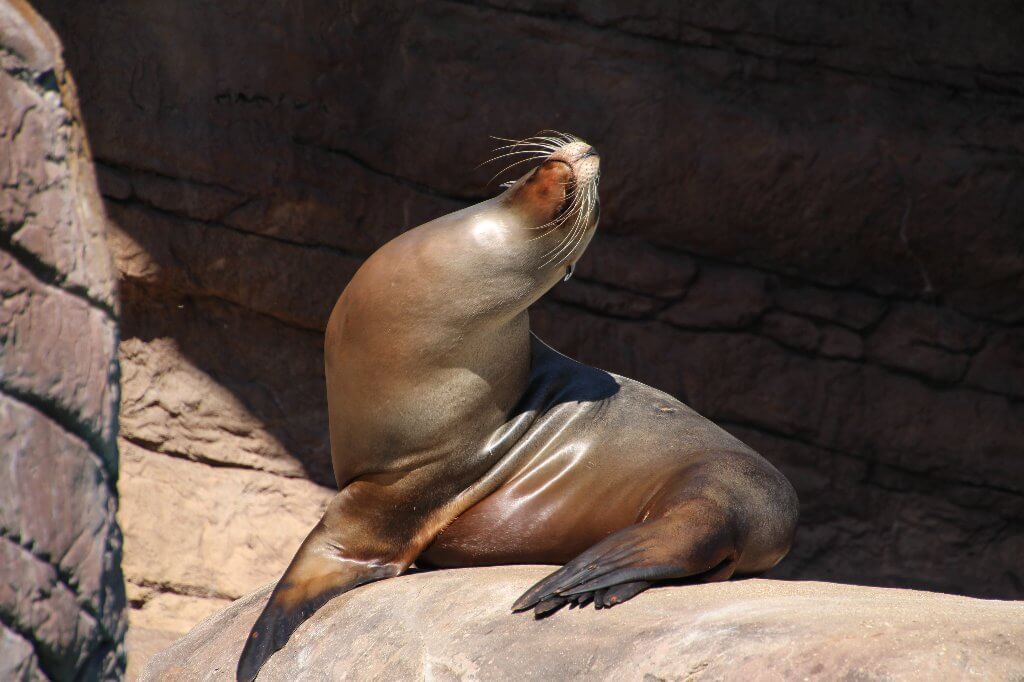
(198, 536)
(158, 619)
(456, 625)
(210, 531)
(191, 389)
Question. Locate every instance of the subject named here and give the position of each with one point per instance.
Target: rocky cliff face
(811, 232)
(62, 595)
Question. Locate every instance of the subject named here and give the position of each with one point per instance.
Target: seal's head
(557, 201)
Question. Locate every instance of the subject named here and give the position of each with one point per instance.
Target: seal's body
(596, 453)
(459, 439)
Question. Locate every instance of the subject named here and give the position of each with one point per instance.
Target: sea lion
(459, 439)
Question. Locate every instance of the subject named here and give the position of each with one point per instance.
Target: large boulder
(456, 625)
(62, 595)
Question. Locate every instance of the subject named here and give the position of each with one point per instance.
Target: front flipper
(346, 549)
(316, 575)
(691, 541)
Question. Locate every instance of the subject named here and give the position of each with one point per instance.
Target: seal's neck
(513, 264)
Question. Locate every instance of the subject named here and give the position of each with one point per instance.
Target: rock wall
(62, 596)
(812, 232)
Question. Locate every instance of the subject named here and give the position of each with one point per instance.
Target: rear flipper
(693, 540)
(343, 551)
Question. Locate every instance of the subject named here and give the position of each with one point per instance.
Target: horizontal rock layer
(456, 625)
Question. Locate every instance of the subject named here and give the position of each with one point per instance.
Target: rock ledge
(456, 625)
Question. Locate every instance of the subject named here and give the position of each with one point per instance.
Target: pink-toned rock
(56, 347)
(62, 595)
(456, 625)
(49, 204)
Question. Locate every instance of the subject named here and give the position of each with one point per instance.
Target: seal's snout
(574, 152)
(559, 195)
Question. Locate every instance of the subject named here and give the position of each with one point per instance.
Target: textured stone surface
(216, 531)
(199, 536)
(810, 231)
(456, 625)
(62, 596)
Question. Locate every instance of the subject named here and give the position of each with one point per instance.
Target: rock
(52, 214)
(847, 308)
(796, 170)
(791, 330)
(456, 625)
(1000, 364)
(838, 342)
(613, 302)
(721, 299)
(636, 266)
(239, 268)
(18, 661)
(62, 595)
(219, 532)
(61, 512)
(926, 340)
(198, 536)
(192, 391)
(158, 619)
(55, 348)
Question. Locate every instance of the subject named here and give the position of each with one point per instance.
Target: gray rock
(456, 625)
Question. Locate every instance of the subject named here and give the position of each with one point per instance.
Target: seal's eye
(569, 269)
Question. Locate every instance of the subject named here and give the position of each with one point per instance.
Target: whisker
(577, 211)
(526, 145)
(537, 154)
(562, 137)
(513, 165)
(549, 141)
(556, 142)
(578, 230)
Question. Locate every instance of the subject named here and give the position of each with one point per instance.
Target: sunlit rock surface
(456, 625)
